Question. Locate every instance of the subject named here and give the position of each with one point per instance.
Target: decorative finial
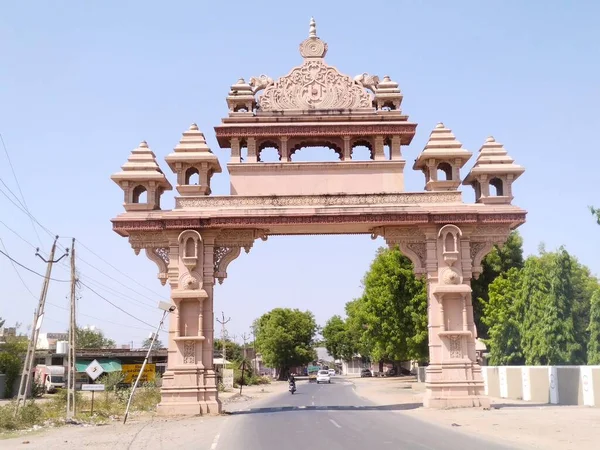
(194, 127)
(143, 144)
(490, 139)
(312, 31)
(439, 125)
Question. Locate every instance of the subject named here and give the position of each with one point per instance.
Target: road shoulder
(512, 422)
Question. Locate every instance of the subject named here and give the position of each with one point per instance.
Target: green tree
(584, 286)
(339, 340)
(234, 350)
(503, 315)
(12, 353)
(498, 261)
(285, 338)
(596, 212)
(548, 334)
(157, 344)
(393, 309)
(593, 348)
(93, 338)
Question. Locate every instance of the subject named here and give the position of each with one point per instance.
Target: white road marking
(215, 442)
(335, 423)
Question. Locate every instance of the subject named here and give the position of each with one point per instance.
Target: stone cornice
(319, 200)
(406, 131)
(125, 226)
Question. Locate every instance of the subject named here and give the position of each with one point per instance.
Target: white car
(332, 372)
(323, 377)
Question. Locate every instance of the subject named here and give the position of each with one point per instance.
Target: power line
(116, 293)
(19, 187)
(116, 306)
(118, 270)
(17, 271)
(31, 270)
(18, 235)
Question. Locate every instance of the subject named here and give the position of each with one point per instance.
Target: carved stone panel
(314, 85)
(455, 347)
(189, 352)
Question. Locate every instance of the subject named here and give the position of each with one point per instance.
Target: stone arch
(498, 186)
(139, 194)
(296, 145)
(361, 142)
(444, 168)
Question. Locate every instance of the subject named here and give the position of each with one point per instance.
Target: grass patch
(108, 405)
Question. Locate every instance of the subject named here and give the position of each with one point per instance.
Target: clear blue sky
(82, 83)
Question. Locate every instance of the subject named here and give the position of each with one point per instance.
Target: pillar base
(189, 392)
(455, 385)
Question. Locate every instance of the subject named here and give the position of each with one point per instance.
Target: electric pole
(223, 323)
(71, 372)
(25, 384)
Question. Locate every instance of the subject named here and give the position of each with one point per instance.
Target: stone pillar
(236, 154)
(395, 148)
(378, 154)
(283, 149)
(453, 377)
(189, 384)
(252, 154)
(347, 150)
(445, 257)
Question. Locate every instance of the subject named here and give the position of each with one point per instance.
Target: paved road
(333, 417)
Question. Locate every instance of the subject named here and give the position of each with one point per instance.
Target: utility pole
(25, 384)
(255, 361)
(71, 373)
(223, 322)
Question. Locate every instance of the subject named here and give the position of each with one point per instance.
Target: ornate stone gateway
(317, 106)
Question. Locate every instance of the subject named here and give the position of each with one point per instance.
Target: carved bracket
(224, 256)
(410, 241)
(483, 238)
(160, 256)
(142, 240)
(240, 238)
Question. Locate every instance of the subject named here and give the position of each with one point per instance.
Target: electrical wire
(19, 187)
(17, 234)
(31, 270)
(17, 271)
(116, 306)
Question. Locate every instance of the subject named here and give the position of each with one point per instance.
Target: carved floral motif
(455, 346)
(314, 85)
(189, 352)
(319, 200)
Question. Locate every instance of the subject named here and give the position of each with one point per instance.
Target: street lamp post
(167, 308)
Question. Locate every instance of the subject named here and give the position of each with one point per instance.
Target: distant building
(47, 341)
(7, 332)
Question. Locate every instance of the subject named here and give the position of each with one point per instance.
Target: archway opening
(314, 154)
(496, 187)
(192, 177)
(362, 151)
(269, 154)
(444, 172)
(140, 195)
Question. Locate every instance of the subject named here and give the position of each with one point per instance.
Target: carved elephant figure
(259, 83)
(367, 81)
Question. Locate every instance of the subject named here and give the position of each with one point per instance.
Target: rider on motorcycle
(292, 380)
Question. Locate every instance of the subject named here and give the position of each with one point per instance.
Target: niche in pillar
(191, 250)
(450, 235)
(189, 335)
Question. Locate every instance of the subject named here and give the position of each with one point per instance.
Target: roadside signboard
(92, 387)
(94, 370)
(228, 378)
(131, 371)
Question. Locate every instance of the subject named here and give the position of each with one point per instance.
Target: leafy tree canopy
(93, 338)
(157, 344)
(339, 339)
(391, 316)
(285, 338)
(498, 261)
(593, 349)
(233, 349)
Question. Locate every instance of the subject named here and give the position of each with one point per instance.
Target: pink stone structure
(315, 105)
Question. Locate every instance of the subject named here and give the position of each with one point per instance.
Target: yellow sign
(131, 371)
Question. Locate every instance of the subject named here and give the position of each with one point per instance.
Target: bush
(29, 414)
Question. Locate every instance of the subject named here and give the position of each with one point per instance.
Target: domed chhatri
(315, 105)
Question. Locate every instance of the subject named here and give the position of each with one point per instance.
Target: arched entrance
(317, 106)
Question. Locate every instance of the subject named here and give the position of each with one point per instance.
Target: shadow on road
(277, 409)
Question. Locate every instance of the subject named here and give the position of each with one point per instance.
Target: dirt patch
(516, 423)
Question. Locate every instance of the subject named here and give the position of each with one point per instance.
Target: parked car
(323, 377)
(365, 373)
(332, 372)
